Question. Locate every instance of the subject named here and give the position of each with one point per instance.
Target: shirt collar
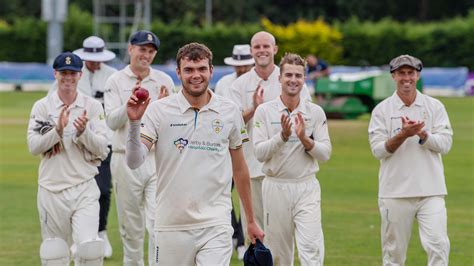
(79, 102)
(400, 104)
(151, 75)
(213, 104)
(273, 76)
(300, 108)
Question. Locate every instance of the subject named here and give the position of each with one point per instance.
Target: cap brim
(408, 65)
(103, 56)
(232, 62)
(70, 68)
(145, 43)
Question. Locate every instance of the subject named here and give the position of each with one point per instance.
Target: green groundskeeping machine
(348, 95)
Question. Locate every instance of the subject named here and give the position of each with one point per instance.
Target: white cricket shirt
(118, 90)
(193, 165)
(79, 157)
(224, 85)
(242, 92)
(414, 169)
(289, 160)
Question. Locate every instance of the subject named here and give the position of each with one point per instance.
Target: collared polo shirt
(79, 157)
(117, 93)
(242, 92)
(415, 169)
(289, 160)
(193, 164)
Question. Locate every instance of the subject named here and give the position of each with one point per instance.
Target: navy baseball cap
(258, 255)
(144, 37)
(68, 61)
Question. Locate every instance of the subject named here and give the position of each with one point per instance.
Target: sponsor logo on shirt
(181, 144)
(178, 125)
(204, 145)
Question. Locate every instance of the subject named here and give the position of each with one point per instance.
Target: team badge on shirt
(181, 144)
(217, 125)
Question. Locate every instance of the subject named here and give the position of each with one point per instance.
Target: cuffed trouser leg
(257, 206)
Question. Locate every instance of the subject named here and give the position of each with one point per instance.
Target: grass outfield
(348, 182)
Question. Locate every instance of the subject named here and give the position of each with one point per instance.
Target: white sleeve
(440, 136)
(115, 109)
(265, 145)
(321, 150)
(378, 135)
(94, 137)
(135, 151)
(42, 134)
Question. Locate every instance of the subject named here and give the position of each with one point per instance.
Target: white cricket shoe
(108, 247)
(240, 252)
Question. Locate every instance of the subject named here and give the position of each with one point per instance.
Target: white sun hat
(94, 50)
(241, 56)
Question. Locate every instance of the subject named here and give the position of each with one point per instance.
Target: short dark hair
(194, 51)
(292, 59)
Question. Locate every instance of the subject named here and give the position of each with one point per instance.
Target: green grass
(348, 182)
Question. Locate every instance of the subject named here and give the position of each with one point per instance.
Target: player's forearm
(242, 184)
(135, 151)
(248, 115)
(391, 145)
(95, 142)
(39, 144)
(264, 150)
(440, 143)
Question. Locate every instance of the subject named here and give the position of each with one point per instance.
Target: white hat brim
(103, 56)
(232, 62)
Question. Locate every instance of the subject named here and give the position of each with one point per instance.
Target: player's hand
(411, 127)
(163, 92)
(257, 96)
(300, 126)
(80, 123)
(62, 120)
(254, 231)
(285, 127)
(135, 108)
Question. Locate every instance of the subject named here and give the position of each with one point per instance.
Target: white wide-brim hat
(241, 56)
(94, 50)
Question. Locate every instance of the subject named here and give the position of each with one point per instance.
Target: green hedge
(447, 43)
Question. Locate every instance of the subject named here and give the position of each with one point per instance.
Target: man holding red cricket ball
(134, 189)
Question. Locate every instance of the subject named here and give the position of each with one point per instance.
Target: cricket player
(92, 83)
(242, 61)
(134, 188)
(259, 85)
(68, 130)
(197, 136)
(290, 137)
(408, 133)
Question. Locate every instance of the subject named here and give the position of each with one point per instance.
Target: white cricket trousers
(257, 206)
(71, 214)
(210, 246)
(292, 208)
(135, 200)
(397, 219)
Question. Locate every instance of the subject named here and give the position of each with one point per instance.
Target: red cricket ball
(142, 94)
